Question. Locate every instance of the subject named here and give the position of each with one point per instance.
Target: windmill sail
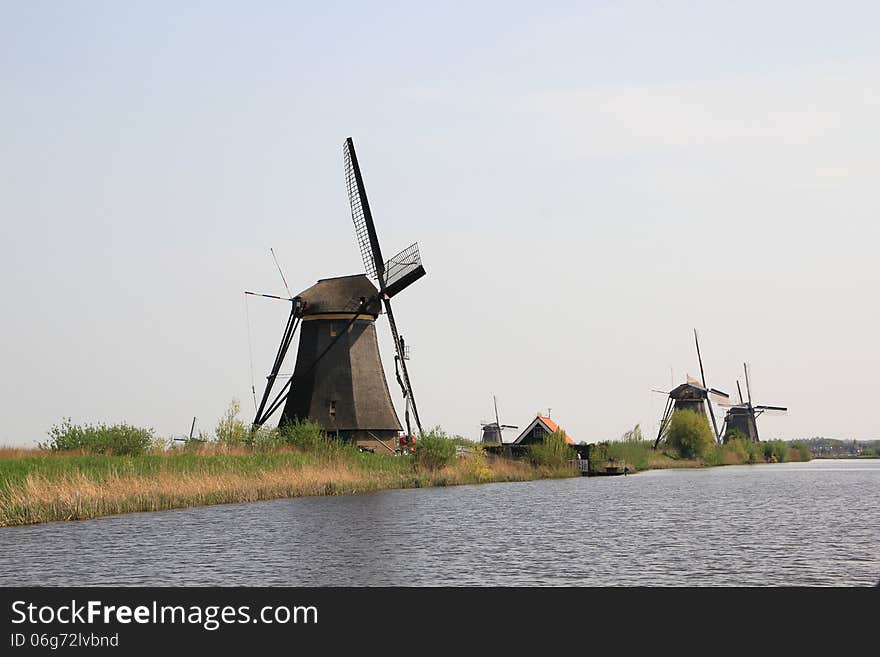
(403, 270)
(364, 227)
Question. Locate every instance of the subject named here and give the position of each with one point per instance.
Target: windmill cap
(342, 294)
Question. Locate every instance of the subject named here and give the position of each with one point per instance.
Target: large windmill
(741, 417)
(338, 380)
(492, 431)
(692, 396)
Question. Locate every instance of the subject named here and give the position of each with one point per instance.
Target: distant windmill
(693, 397)
(492, 431)
(741, 417)
(338, 380)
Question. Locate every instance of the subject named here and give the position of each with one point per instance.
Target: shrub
(306, 435)
(776, 451)
(736, 450)
(434, 450)
(715, 454)
(553, 451)
(689, 434)
(735, 434)
(475, 465)
(231, 430)
(800, 452)
(120, 439)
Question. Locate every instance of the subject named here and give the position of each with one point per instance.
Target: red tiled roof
(555, 427)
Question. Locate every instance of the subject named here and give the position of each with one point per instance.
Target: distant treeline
(831, 447)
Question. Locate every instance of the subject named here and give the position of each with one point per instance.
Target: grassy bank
(640, 455)
(41, 486)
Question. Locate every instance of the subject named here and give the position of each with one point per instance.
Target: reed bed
(38, 486)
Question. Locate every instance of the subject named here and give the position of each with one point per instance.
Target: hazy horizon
(587, 182)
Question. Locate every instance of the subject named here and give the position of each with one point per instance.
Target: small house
(536, 430)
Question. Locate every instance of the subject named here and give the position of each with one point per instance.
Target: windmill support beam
(667, 413)
(287, 336)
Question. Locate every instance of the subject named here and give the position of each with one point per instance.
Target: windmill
(741, 417)
(338, 380)
(694, 396)
(492, 431)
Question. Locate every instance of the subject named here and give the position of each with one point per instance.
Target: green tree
(689, 434)
(230, 429)
(634, 435)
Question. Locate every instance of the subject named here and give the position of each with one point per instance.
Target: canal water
(798, 524)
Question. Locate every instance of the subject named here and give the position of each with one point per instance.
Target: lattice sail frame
(404, 264)
(358, 215)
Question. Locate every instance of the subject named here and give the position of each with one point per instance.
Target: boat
(610, 468)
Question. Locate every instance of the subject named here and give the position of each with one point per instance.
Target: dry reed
(78, 495)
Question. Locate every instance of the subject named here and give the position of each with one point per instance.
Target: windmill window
(333, 409)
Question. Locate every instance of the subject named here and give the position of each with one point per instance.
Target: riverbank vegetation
(690, 443)
(80, 473)
(86, 471)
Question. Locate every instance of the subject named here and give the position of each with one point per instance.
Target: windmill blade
(740, 391)
(495, 401)
(509, 426)
(400, 355)
(700, 358)
(714, 422)
(364, 227)
(730, 404)
(771, 410)
(748, 388)
(403, 270)
(718, 396)
(662, 392)
(710, 391)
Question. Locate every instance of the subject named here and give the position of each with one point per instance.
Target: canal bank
(42, 486)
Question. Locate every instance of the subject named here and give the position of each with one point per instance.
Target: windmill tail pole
(268, 296)
(405, 394)
(714, 423)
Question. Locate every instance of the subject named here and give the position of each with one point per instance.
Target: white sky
(587, 183)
